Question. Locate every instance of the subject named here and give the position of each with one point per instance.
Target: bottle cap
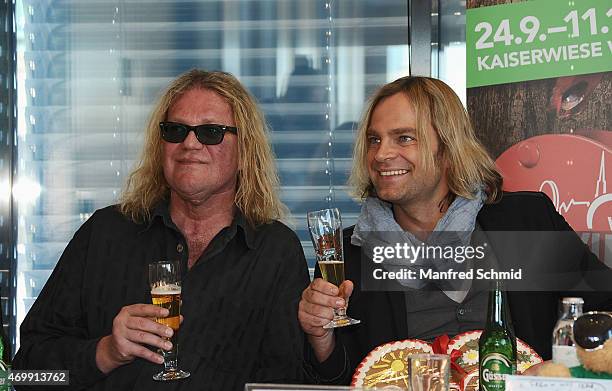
(573, 300)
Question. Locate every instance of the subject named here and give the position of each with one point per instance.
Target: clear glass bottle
(563, 349)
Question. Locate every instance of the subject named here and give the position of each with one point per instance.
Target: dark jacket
(534, 313)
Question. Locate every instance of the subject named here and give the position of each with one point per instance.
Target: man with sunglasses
(204, 193)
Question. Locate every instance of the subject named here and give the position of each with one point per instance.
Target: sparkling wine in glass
(325, 228)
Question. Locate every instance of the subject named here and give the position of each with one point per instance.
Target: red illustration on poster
(552, 135)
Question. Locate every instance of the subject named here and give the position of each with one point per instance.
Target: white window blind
(90, 71)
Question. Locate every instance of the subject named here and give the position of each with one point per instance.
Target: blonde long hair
(258, 183)
(435, 103)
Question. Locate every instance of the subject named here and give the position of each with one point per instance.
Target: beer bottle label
(4, 382)
(493, 370)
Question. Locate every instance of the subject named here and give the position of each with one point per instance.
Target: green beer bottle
(5, 355)
(497, 344)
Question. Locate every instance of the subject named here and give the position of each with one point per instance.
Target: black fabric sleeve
(334, 370)
(281, 351)
(597, 276)
(54, 333)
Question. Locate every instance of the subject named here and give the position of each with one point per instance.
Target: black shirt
(239, 304)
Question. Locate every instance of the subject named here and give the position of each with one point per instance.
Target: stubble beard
(412, 190)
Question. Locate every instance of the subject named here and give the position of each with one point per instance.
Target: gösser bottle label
(493, 371)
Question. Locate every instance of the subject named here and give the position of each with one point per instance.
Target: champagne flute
(165, 282)
(325, 228)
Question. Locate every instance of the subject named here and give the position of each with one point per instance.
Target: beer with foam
(168, 297)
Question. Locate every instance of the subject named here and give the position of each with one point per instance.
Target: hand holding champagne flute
(325, 228)
(165, 282)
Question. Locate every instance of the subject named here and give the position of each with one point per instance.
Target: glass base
(341, 321)
(171, 375)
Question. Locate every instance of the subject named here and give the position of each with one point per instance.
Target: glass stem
(170, 356)
(340, 312)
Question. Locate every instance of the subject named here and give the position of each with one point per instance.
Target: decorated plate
(471, 381)
(386, 366)
(467, 344)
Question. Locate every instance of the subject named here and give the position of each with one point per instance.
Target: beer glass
(429, 372)
(325, 228)
(165, 282)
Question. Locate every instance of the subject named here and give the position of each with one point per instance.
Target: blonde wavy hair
(257, 185)
(435, 103)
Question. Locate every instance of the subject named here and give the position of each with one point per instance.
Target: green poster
(538, 39)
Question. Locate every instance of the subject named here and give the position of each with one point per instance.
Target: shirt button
(179, 247)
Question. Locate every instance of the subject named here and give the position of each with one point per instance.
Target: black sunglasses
(592, 330)
(209, 134)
